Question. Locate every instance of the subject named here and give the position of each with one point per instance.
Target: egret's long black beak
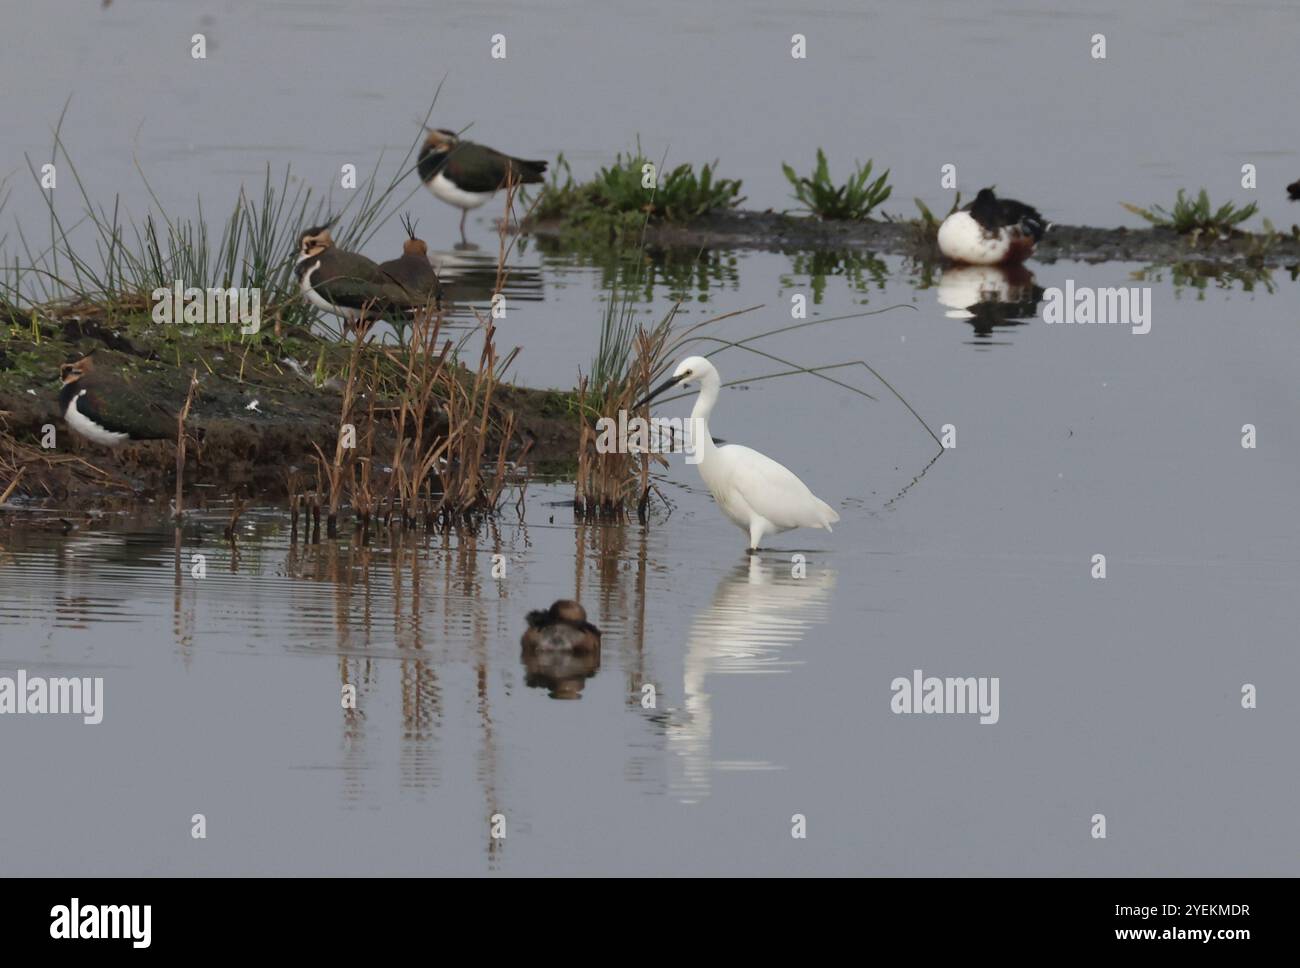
(661, 388)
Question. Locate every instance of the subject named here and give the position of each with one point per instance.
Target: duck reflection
(988, 297)
(759, 612)
(561, 650)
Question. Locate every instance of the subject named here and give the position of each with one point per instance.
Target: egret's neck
(703, 440)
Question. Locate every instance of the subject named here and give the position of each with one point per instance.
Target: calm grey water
(1006, 91)
(1118, 696)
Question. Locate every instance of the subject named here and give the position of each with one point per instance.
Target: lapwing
(466, 174)
(991, 231)
(104, 409)
(1293, 191)
(412, 270)
(348, 284)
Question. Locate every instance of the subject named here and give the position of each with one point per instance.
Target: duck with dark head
(561, 649)
(992, 231)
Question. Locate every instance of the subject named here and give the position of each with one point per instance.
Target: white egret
(754, 491)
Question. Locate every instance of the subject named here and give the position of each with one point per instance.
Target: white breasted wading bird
(466, 174)
(754, 491)
(356, 288)
(102, 407)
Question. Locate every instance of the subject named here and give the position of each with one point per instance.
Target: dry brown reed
(449, 463)
(182, 438)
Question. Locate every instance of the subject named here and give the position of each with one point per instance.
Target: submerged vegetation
(620, 198)
(861, 271)
(854, 200)
(1200, 277)
(1196, 217)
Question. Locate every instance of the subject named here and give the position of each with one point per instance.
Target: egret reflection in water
(758, 615)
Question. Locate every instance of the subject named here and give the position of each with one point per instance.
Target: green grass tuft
(616, 200)
(1196, 217)
(851, 201)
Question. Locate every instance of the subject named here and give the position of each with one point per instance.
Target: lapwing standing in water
(349, 285)
(1293, 191)
(991, 231)
(104, 409)
(466, 174)
(412, 270)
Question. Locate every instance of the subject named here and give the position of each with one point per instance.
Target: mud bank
(260, 409)
(773, 231)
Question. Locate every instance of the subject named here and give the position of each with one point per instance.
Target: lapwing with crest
(351, 286)
(105, 409)
(466, 174)
(412, 269)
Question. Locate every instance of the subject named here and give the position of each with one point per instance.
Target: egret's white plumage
(761, 496)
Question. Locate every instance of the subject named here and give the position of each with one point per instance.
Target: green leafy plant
(853, 200)
(617, 199)
(685, 195)
(1196, 217)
